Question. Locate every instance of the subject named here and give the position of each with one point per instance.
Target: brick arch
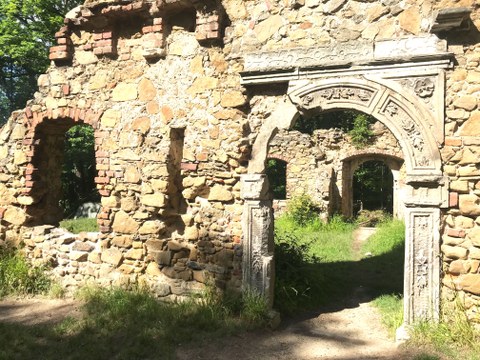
(49, 126)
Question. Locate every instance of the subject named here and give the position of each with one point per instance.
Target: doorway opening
(373, 187)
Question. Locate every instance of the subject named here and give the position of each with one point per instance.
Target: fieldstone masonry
(322, 165)
(185, 96)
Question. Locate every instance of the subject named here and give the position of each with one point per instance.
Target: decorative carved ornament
(317, 99)
(400, 116)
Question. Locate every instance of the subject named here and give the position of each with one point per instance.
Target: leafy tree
(27, 29)
(345, 120)
(78, 169)
(277, 177)
(373, 186)
(361, 134)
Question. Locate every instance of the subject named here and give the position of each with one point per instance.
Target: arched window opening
(277, 177)
(373, 187)
(64, 163)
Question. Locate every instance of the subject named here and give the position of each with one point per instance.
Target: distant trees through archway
(373, 187)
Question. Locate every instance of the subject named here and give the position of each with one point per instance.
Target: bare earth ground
(352, 333)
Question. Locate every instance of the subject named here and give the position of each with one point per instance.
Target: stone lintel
(449, 19)
(346, 55)
(421, 65)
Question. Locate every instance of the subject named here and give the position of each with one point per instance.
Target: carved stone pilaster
(422, 267)
(258, 264)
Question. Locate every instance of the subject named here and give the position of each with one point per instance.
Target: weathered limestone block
(470, 283)
(135, 254)
(15, 216)
(220, 193)
(153, 269)
(454, 252)
(233, 99)
(110, 118)
(82, 246)
(474, 236)
(156, 200)
(458, 267)
(468, 171)
(112, 256)
(146, 90)
(202, 84)
(122, 241)
(410, 20)
(466, 102)
(453, 241)
(469, 205)
(78, 256)
(141, 124)
(151, 227)
(123, 223)
(459, 186)
(471, 127)
(463, 222)
(268, 27)
(125, 92)
(474, 253)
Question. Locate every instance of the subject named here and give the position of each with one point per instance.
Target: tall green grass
(76, 226)
(453, 336)
(18, 277)
(310, 262)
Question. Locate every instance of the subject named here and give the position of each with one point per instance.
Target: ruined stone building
(185, 97)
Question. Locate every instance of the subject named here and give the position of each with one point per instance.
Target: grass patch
(454, 337)
(391, 309)
(79, 225)
(119, 324)
(18, 277)
(303, 255)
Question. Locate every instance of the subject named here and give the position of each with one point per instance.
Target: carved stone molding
(422, 268)
(258, 264)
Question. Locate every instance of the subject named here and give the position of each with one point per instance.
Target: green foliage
(360, 133)
(295, 275)
(302, 210)
(304, 258)
(344, 120)
(142, 325)
(76, 226)
(277, 177)
(373, 186)
(390, 235)
(27, 29)
(391, 309)
(454, 336)
(79, 170)
(18, 277)
(372, 217)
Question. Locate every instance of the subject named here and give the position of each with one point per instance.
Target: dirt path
(36, 311)
(352, 333)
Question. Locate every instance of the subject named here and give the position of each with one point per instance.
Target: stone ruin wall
(461, 158)
(315, 162)
(155, 85)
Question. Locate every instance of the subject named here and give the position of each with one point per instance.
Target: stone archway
(351, 164)
(411, 122)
